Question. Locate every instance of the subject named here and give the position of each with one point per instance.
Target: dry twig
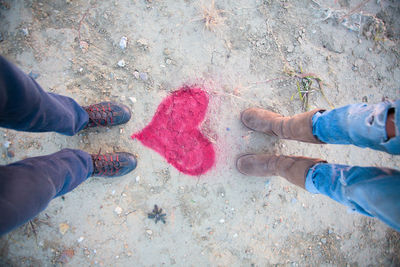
(211, 16)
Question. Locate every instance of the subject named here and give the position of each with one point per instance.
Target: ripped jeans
(371, 191)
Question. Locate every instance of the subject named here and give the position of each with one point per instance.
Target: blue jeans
(27, 186)
(371, 191)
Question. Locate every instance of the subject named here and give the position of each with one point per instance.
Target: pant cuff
(309, 184)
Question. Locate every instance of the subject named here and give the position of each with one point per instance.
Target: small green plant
(304, 82)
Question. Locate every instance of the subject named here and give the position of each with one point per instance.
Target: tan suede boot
(292, 168)
(298, 127)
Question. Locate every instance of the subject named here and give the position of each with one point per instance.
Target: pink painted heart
(174, 131)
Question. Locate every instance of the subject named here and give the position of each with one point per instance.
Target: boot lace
(99, 115)
(105, 165)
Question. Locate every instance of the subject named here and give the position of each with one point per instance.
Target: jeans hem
(309, 184)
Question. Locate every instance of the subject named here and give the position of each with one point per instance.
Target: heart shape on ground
(174, 133)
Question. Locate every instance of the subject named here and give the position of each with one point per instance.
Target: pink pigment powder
(174, 131)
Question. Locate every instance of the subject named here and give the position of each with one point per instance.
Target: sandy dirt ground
(243, 53)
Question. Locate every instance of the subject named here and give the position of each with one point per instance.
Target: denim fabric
(359, 124)
(24, 106)
(371, 191)
(27, 186)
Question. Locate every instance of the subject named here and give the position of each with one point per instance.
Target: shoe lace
(99, 113)
(103, 165)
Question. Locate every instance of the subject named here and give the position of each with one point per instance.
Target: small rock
(118, 210)
(10, 153)
(290, 48)
(121, 63)
(149, 232)
(143, 42)
(6, 144)
(136, 74)
(80, 239)
(143, 76)
(63, 228)
(332, 44)
(25, 31)
(84, 46)
(167, 52)
(168, 61)
(123, 42)
(133, 99)
(34, 75)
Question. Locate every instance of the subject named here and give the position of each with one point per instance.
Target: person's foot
(113, 164)
(107, 114)
(293, 168)
(297, 127)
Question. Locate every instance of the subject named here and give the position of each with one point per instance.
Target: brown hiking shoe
(292, 168)
(298, 127)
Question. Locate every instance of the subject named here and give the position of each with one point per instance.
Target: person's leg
(371, 191)
(358, 124)
(361, 125)
(25, 106)
(292, 168)
(27, 186)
